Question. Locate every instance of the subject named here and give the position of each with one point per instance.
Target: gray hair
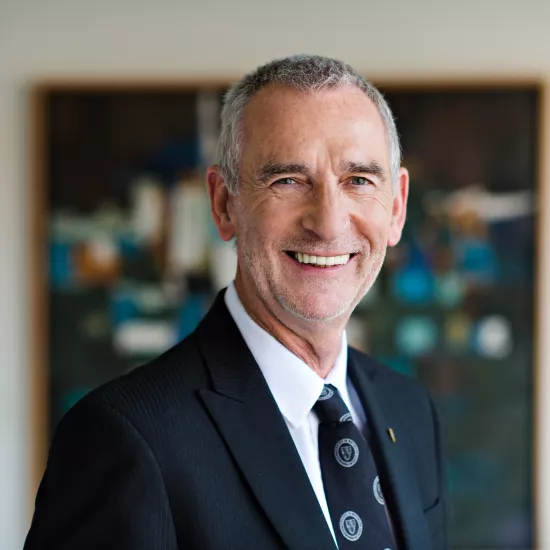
(307, 73)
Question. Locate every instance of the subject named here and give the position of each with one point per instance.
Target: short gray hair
(307, 73)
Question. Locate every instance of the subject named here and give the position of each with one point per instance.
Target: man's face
(315, 188)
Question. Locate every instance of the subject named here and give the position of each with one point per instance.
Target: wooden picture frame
(40, 190)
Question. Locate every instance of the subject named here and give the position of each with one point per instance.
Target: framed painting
(126, 261)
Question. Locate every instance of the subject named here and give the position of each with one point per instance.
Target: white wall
(127, 38)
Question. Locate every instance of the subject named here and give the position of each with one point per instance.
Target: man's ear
(399, 207)
(219, 203)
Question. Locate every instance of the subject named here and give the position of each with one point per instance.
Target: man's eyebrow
(371, 167)
(270, 169)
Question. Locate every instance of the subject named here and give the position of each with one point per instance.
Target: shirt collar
(294, 385)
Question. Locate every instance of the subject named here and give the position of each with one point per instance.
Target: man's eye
(285, 181)
(358, 180)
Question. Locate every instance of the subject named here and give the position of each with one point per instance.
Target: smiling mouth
(320, 261)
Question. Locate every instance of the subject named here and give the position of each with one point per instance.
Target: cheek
(257, 232)
(268, 219)
(373, 221)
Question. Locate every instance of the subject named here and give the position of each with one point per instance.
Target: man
(262, 430)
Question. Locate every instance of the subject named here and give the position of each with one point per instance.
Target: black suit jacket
(191, 452)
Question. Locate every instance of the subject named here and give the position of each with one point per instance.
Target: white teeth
(322, 260)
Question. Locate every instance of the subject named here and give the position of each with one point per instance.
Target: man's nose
(326, 214)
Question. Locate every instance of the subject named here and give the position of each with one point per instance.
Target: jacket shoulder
(389, 378)
(150, 392)
(401, 396)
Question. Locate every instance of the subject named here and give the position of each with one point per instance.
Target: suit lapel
(395, 466)
(253, 428)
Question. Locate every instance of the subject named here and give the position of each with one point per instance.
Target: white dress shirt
(296, 387)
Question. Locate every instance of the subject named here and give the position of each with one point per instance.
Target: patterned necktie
(351, 484)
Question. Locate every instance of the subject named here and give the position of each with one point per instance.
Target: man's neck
(317, 344)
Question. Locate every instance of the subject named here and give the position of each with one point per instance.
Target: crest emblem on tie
(346, 452)
(377, 490)
(351, 526)
(327, 393)
(346, 417)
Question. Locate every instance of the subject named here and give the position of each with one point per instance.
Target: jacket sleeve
(102, 488)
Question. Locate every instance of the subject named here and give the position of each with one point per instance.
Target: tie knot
(330, 406)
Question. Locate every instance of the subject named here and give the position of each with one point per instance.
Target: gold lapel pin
(392, 435)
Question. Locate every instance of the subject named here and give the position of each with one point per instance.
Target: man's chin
(316, 312)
